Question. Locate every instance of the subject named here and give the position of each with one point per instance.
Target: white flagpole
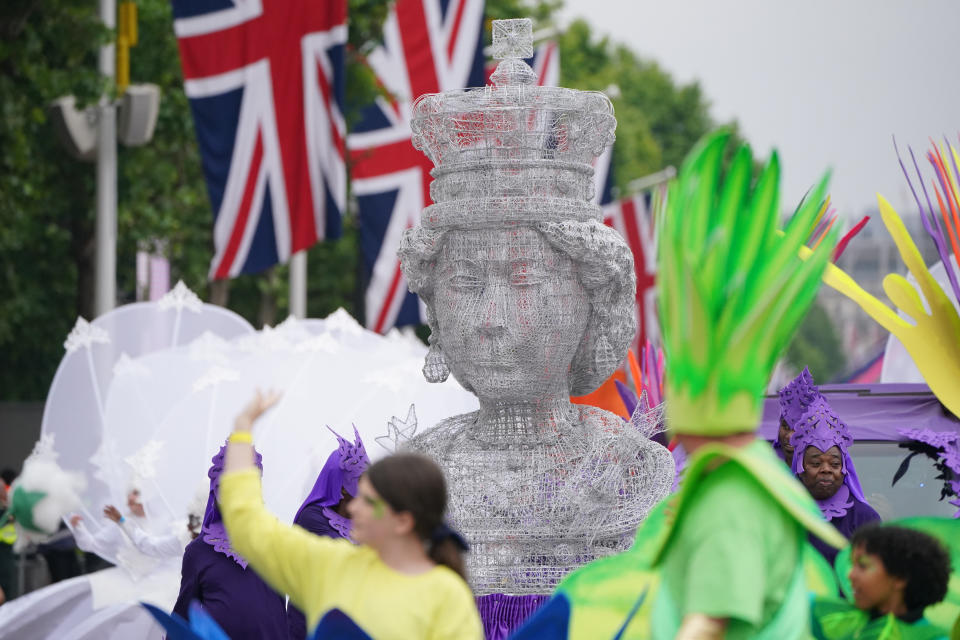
(298, 285)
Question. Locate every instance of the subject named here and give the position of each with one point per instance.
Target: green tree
(817, 346)
(47, 198)
(46, 220)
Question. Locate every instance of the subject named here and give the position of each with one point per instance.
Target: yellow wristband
(244, 437)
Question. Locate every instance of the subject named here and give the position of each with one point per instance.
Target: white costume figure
(105, 604)
(530, 299)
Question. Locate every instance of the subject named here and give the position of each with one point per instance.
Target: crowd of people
(370, 542)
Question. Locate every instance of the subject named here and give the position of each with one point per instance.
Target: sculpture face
(510, 312)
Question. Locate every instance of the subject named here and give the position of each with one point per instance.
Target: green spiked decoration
(732, 289)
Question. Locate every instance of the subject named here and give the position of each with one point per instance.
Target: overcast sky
(825, 81)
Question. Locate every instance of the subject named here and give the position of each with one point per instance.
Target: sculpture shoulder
(445, 435)
(609, 429)
(621, 446)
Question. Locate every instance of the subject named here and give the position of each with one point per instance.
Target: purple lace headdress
(796, 397)
(341, 472)
(822, 428)
(212, 531)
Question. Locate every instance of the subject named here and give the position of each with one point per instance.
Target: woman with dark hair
(403, 579)
(896, 573)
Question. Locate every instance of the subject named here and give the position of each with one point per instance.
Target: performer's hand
(112, 513)
(259, 405)
(75, 519)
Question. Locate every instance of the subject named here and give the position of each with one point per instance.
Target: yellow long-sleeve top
(321, 573)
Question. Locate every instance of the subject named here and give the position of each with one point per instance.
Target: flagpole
(652, 180)
(298, 284)
(105, 289)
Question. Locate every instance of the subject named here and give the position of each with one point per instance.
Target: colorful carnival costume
(337, 481)
(218, 578)
(847, 509)
(840, 620)
(731, 294)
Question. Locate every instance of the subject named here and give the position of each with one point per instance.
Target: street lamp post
(105, 287)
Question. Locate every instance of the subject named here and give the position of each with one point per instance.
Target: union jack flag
(266, 82)
(428, 46)
(633, 218)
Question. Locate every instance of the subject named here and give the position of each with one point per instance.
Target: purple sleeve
(313, 520)
(864, 514)
(189, 583)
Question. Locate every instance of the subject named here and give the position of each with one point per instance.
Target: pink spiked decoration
(824, 222)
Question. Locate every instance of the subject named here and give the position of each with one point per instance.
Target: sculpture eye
(465, 281)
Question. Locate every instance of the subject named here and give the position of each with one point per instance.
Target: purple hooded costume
(795, 397)
(217, 577)
(341, 473)
(847, 509)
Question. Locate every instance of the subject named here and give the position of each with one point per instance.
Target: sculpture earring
(435, 367)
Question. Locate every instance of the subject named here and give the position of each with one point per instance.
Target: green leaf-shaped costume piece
(732, 288)
(840, 620)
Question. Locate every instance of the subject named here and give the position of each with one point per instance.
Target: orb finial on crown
(513, 38)
(512, 44)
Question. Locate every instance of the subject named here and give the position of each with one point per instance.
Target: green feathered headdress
(732, 288)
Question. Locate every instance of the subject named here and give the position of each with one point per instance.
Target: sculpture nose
(493, 317)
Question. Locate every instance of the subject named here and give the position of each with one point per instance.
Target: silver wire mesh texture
(530, 299)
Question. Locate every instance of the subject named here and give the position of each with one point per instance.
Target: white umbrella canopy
(330, 373)
(96, 354)
(148, 393)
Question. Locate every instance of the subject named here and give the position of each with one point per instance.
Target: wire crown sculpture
(530, 299)
(512, 143)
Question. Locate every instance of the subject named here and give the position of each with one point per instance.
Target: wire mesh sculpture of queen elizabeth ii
(530, 299)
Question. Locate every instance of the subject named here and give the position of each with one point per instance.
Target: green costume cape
(840, 620)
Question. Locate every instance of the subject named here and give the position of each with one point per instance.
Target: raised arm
(105, 542)
(290, 559)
